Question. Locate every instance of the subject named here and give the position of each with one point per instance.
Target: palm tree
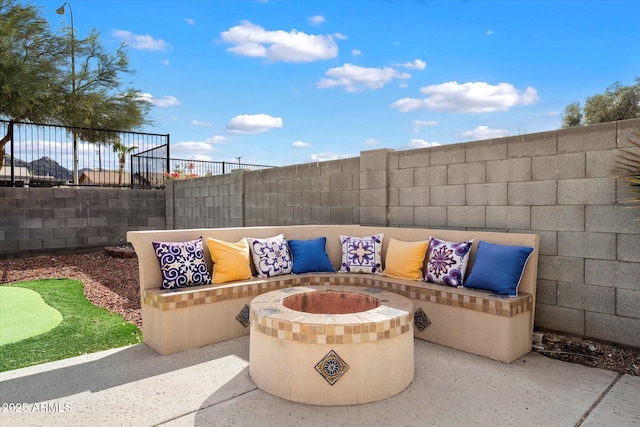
(122, 150)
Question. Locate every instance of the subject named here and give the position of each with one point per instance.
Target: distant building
(105, 178)
(22, 175)
(24, 178)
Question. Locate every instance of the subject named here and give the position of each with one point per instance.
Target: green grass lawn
(85, 328)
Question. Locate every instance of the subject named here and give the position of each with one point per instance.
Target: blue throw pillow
(310, 256)
(498, 268)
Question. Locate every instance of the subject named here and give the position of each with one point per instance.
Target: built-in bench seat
(475, 321)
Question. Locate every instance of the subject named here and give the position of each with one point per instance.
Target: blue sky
(284, 82)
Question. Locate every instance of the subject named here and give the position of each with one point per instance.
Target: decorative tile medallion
(420, 319)
(243, 316)
(332, 367)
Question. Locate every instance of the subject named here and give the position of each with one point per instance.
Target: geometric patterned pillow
(271, 256)
(447, 262)
(182, 264)
(362, 254)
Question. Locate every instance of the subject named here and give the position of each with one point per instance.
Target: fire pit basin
(331, 345)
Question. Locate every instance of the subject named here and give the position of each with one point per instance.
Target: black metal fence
(50, 155)
(46, 155)
(152, 168)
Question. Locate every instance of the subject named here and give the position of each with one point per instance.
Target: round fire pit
(331, 345)
(331, 302)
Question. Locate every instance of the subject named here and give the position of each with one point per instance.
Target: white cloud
(323, 157)
(356, 52)
(201, 123)
(253, 124)
(407, 104)
(470, 97)
(166, 62)
(490, 32)
(167, 101)
(140, 41)
(419, 143)
(355, 78)
(340, 36)
(201, 157)
(419, 124)
(301, 144)
(295, 46)
(190, 21)
(316, 20)
(371, 142)
(418, 64)
(218, 139)
(192, 146)
(484, 132)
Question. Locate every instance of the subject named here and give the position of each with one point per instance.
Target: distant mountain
(19, 163)
(45, 167)
(49, 167)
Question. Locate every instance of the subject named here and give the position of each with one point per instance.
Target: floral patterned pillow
(182, 264)
(271, 256)
(361, 254)
(447, 262)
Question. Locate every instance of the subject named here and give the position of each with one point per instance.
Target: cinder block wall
(315, 193)
(556, 184)
(37, 220)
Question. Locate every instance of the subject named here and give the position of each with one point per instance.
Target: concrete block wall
(209, 202)
(50, 220)
(314, 193)
(556, 184)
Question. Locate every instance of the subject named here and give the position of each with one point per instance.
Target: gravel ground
(112, 283)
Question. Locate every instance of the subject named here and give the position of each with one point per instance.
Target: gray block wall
(52, 220)
(315, 193)
(556, 184)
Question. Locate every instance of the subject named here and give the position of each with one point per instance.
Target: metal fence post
(168, 165)
(13, 154)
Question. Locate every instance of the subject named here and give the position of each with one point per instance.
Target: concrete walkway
(134, 386)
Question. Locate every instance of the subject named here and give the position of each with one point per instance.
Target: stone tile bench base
(473, 321)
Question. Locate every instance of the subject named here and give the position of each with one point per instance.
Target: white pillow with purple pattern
(182, 264)
(447, 262)
(271, 256)
(362, 254)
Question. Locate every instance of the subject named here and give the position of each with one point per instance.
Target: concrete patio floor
(134, 386)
